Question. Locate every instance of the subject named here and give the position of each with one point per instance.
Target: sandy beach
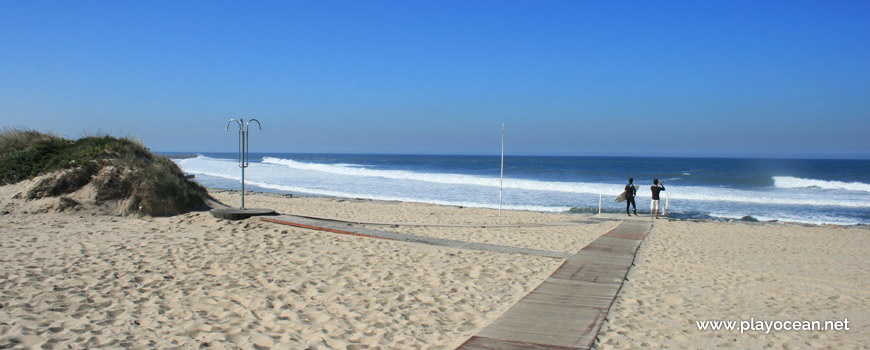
(77, 279)
(82, 280)
(688, 272)
(382, 141)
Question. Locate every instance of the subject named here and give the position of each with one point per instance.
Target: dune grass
(121, 168)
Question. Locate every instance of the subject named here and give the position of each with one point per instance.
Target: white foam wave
(332, 193)
(181, 161)
(783, 204)
(697, 193)
(450, 179)
(359, 170)
(324, 179)
(706, 194)
(796, 182)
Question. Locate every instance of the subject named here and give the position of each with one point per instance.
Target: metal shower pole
(244, 135)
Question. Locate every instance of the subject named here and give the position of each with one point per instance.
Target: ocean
(792, 190)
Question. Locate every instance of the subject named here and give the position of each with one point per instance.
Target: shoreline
(752, 220)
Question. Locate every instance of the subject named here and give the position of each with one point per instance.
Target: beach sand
(78, 279)
(707, 271)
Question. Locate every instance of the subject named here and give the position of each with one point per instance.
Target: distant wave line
(330, 193)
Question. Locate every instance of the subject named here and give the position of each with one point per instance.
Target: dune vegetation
(120, 171)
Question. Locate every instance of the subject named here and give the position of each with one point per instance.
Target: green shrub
(161, 189)
(153, 183)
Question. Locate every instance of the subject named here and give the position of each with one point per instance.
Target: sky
(646, 78)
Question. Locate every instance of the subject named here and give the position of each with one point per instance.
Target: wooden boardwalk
(567, 310)
(349, 229)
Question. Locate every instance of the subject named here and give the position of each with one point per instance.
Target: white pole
(501, 174)
(599, 204)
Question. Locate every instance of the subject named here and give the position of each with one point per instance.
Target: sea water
(807, 191)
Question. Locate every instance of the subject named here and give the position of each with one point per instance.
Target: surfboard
(621, 196)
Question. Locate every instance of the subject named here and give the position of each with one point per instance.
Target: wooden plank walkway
(349, 229)
(590, 220)
(568, 309)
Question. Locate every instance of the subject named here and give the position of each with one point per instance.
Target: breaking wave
(796, 182)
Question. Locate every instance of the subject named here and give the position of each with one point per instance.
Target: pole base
(240, 214)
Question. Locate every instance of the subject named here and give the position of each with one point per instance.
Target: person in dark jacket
(654, 205)
(630, 193)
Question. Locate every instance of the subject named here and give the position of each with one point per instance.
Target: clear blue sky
(725, 78)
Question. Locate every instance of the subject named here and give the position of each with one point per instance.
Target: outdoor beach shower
(244, 136)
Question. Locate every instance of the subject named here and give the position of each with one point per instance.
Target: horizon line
(733, 156)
